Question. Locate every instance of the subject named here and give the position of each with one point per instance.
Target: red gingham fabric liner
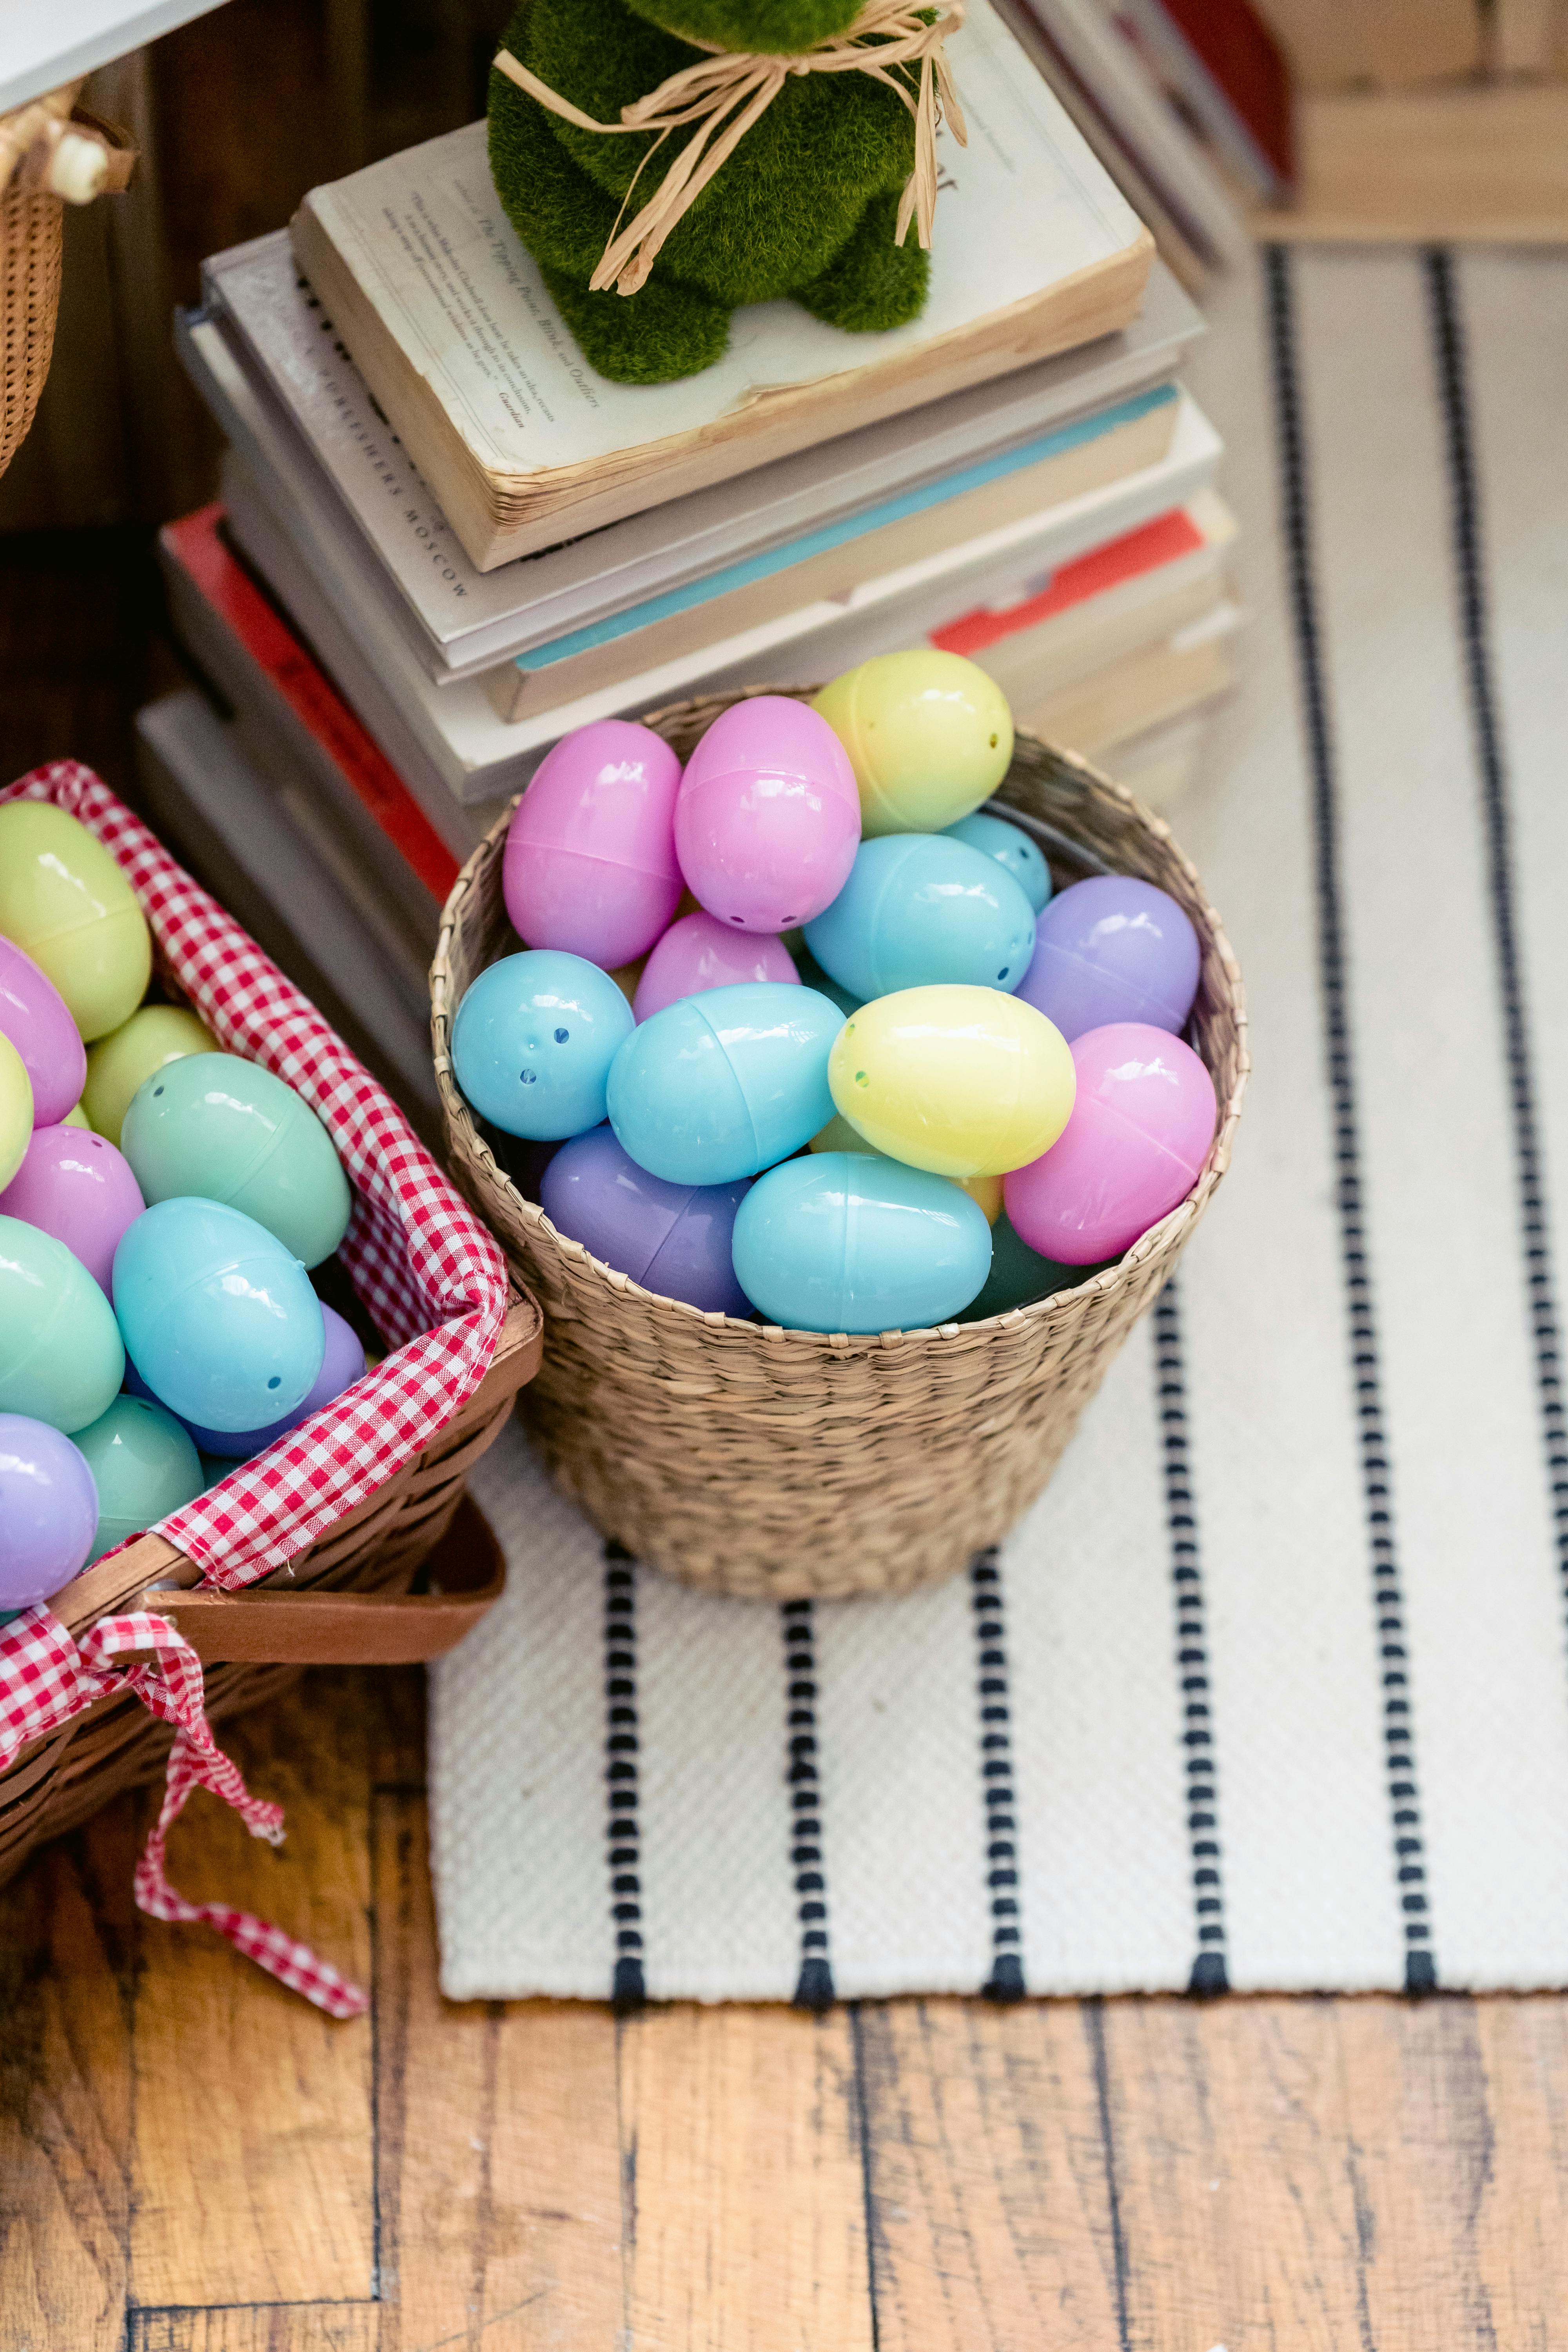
(431, 1277)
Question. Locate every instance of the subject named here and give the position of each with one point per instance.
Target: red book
(197, 542)
(1143, 550)
(1244, 57)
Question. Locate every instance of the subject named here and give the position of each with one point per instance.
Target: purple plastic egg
(1142, 1123)
(1112, 949)
(672, 1238)
(768, 820)
(76, 1185)
(700, 952)
(33, 1015)
(48, 1510)
(343, 1363)
(590, 863)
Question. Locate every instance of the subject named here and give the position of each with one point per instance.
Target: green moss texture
(804, 208)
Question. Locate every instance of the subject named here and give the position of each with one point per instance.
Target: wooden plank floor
(191, 2161)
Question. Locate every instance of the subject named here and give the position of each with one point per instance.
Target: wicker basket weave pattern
(30, 243)
(753, 1460)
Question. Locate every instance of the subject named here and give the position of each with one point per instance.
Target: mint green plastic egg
(144, 1464)
(60, 1355)
(220, 1129)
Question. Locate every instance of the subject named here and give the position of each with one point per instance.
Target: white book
(260, 319)
(452, 748)
(1035, 249)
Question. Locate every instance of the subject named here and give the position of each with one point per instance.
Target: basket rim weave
(1165, 1236)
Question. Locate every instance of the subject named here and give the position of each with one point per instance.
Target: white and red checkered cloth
(430, 1276)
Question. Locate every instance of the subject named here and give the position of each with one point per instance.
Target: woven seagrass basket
(756, 1461)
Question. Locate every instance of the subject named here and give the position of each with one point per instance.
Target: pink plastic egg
(33, 1015)
(768, 820)
(1140, 1127)
(590, 862)
(701, 952)
(76, 1185)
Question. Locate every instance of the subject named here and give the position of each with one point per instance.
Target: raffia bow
(729, 90)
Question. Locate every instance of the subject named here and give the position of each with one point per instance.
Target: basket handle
(279, 1628)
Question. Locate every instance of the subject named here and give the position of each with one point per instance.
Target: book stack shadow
(442, 543)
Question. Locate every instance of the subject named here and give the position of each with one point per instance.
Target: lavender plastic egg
(672, 1238)
(700, 952)
(48, 1510)
(75, 1185)
(343, 1363)
(1140, 1126)
(590, 863)
(1112, 949)
(34, 1015)
(768, 818)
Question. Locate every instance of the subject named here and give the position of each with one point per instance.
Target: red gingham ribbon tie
(48, 1678)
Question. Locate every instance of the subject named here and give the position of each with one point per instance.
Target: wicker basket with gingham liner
(324, 1532)
(752, 1460)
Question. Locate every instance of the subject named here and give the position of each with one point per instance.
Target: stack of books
(442, 542)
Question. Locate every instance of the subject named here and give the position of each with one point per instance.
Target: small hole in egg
(528, 1076)
(994, 741)
(861, 1079)
(1003, 973)
(276, 1382)
(156, 1091)
(562, 1035)
(735, 918)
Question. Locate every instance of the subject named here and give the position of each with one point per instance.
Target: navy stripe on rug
(1475, 631)
(814, 1986)
(1201, 1762)
(1005, 1981)
(627, 1989)
(1398, 1727)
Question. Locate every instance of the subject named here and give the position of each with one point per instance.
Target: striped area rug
(1270, 1689)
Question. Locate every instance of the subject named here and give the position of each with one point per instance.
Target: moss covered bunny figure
(665, 161)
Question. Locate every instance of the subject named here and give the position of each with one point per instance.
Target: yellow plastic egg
(839, 1135)
(64, 899)
(77, 1118)
(929, 736)
(963, 1081)
(15, 1110)
(119, 1063)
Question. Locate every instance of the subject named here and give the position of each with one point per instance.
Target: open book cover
(1035, 250)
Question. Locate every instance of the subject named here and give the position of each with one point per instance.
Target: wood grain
(259, 2327)
(743, 2197)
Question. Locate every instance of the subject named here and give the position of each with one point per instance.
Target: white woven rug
(1270, 1689)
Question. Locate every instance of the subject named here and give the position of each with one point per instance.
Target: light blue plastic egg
(847, 1241)
(918, 910)
(719, 1085)
(533, 1042)
(219, 1321)
(1010, 846)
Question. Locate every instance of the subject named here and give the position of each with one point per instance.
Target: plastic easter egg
(65, 903)
(49, 1511)
(78, 1187)
(768, 819)
(15, 1110)
(698, 953)
(811, 975)
(846, 1241)
(985, 1191)
(919, 909)
(719, 1085)
(929, 734)
(672, 1238)
(1112, 949)
(1019, 1276)
(590, 864)
(61, 1355)
(961, 1081)
(219, 1319)
(533, 1042)
(143, 1464)
(1138, 1137)
(35, 1017)
(1010, 846)
(119, 1063)
(221, 1129)
(343, 1363)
